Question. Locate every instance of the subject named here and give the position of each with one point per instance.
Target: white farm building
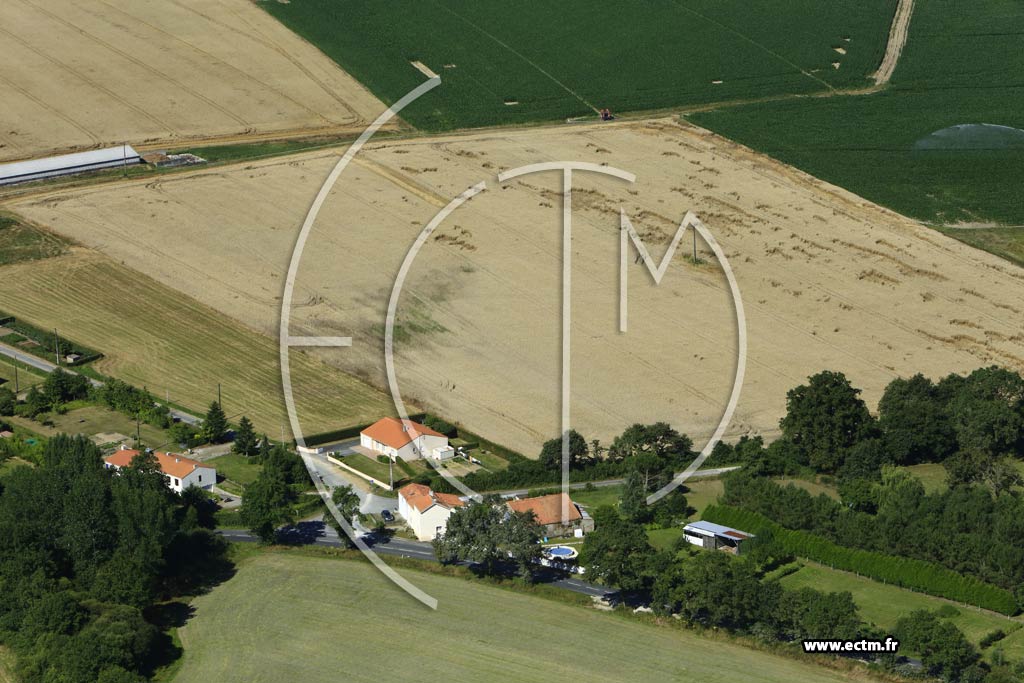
(68, 164)
(405, 439)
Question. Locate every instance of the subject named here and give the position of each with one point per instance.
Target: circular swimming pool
(562, 552)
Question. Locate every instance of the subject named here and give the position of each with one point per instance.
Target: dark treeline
(653, 451)
(972, 424)
(85, 557)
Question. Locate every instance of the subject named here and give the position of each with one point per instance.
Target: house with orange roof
(180, 472)
(405, 439)
(557, 513)
(426, 511)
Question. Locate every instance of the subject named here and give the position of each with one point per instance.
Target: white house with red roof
(426, 511)
(405, 439)
(181, 472)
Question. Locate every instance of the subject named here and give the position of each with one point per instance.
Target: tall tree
(551, 452)
(634, 497)
(489, 535)
(245, 438)
(824, 418)
(988, 411)
(266, 504)
(215, 426)
(617, 553)
(914, 422)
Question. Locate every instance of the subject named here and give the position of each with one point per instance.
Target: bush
(991, 638)
(905, 572)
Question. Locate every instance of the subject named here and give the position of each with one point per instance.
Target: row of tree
(973, 423)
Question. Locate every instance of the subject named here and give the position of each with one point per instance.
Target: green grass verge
(533, 60)
(479, 633)
(372, 468)
(883, 605)
(1007, 243)
(20, 242)
(946, 76)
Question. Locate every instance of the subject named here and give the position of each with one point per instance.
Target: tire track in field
(95, 84)
(139, 63)
(521, 56)
(897, 40)
(753, 42)
(49, 108)
(214, 58)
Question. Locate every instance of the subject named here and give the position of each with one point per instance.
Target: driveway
(333, 476)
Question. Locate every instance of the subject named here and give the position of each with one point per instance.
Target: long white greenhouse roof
(69, 162)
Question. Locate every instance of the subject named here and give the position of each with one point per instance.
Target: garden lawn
(237, 468)
(883, 605)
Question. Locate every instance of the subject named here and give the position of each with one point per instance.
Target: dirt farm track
(85, 73)
(828, 280)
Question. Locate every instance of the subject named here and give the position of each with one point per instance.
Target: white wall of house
(202, 477)
(421, 447)
(427, 525)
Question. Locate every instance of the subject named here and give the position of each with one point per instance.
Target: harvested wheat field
(828, 280)
(84, 73)
(153, 336)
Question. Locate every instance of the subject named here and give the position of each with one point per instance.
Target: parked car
(387, 516)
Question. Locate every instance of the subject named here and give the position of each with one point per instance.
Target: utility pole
(694, 247)
(391, 472)
(17, 389)
(219, 402)
(138, 433)
(124, 157)
(56, 346)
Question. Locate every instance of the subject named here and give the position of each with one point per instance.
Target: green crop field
(883, 605)
(291, 617)
(957, 68)
(533, 60)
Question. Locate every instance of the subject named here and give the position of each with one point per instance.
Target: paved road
(711, 472)
(47, 366)
(318, 533)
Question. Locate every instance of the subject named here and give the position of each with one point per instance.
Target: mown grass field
(293, 617)
(883, 605)
(155, 337)
(957, 68)
(505, 62)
